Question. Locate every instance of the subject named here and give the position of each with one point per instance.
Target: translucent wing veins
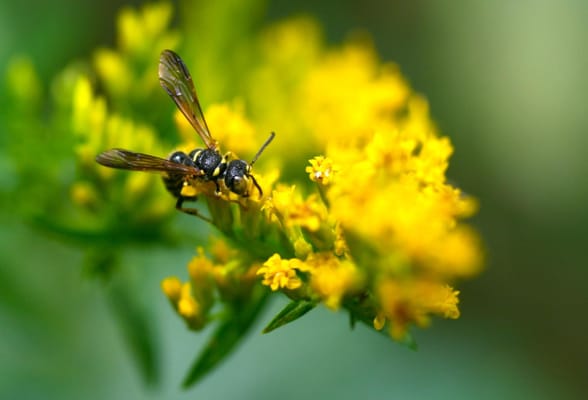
(175, 78)
(124, 159)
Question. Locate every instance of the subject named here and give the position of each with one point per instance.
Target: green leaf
(294, 310)
(227, 336)
(137, 330)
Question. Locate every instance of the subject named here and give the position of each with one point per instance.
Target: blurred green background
(505, 80)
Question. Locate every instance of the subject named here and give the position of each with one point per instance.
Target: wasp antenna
(267, 142)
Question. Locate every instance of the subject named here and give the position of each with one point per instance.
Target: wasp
(179, 169)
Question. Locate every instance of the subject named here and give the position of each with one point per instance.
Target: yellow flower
(97, 130)
(89, 116)
(200, 265)
(404, 196)
(84, 194)
(404, 302)
(446, 303)
(222, 251)
(287, 205)
(187, 305)
(349, 93)
(370, 225)
(190, 309)
(181, 298)
(145, 30)
(288, 51)
(23, 82)
(172, 287)
(340, 247)
(332, 278)
(382, 232)
(322, 170)
(302, 248)
(227, 123)
(379, 321)
(114, 71)
(231, 127)
(279, 273)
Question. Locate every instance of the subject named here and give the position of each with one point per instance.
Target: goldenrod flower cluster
(368, 224)
(355, 211)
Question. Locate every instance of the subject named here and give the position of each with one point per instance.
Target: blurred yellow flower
(23, 82)
(172, 287)
(349, 207)
(322, 170)
(380, 233)
(146, 29)
(331, 278)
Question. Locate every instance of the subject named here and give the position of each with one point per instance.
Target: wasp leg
(217, 191)
(190, 211)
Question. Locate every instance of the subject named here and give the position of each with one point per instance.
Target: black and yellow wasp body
(180, 168)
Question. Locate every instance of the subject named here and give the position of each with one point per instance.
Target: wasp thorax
(208, 160)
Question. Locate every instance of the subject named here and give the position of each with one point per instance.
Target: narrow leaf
(226, 337)
(137, 331)
(294, 310)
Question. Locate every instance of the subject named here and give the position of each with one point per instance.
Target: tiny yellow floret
(379, 321)
(83, 193)
(322, 170)
(331, 277)
(188, 307)
(279, 273)
(172, 287)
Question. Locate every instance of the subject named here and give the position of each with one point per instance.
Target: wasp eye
(240, 186)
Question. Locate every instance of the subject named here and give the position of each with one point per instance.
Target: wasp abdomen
(175, 182)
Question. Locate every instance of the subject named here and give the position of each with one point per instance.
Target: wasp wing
(175, 78)
(124, 159)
